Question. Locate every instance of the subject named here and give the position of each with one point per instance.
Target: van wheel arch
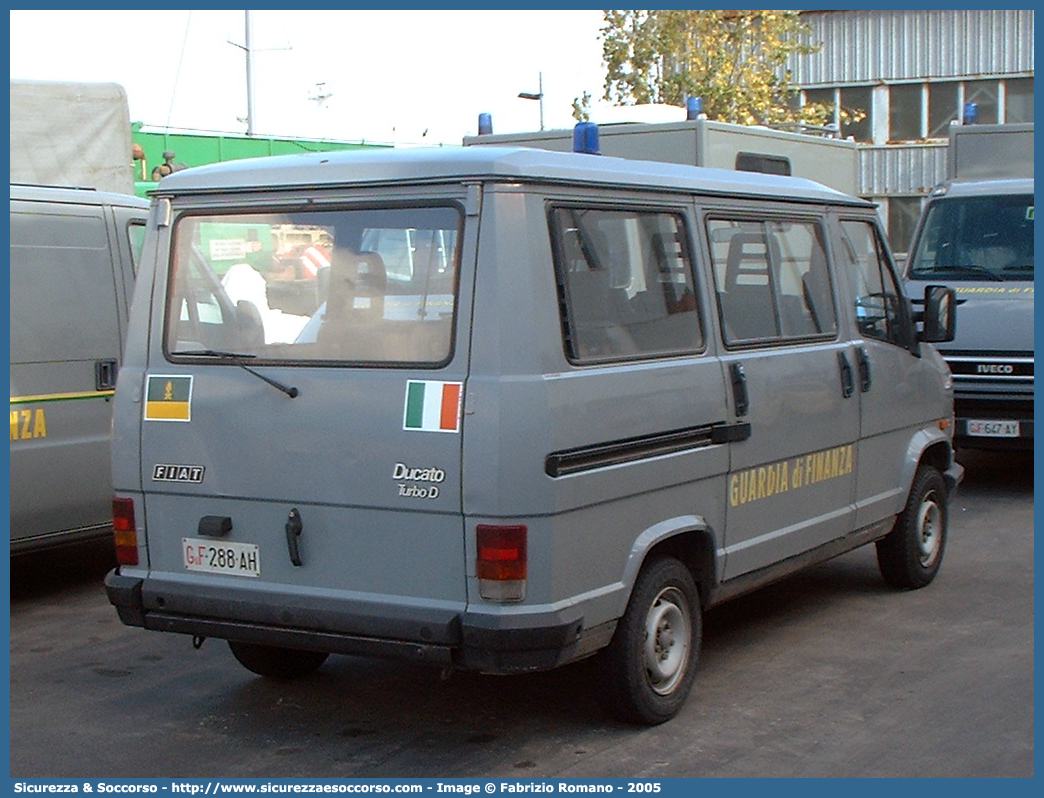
(693, 547)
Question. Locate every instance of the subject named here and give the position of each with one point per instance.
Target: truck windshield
(976, 238)
(361, 285)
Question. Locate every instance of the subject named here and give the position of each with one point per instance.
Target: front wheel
(275, 662)
(910, 556)
(646, 672)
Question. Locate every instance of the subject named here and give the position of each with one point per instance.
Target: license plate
(221, 557)
(993, 429)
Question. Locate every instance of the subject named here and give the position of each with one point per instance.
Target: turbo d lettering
(417, 492)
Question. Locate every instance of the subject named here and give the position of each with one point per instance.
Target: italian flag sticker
(433, 406)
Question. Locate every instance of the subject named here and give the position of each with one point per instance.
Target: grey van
(73, 255)
(592, 398)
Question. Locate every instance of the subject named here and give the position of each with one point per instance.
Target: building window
(858, 99)
(942, 108)
(905, 112)
(825, 97)
(983, 93)
(1018, 100)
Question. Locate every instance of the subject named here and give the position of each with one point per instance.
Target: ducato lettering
(404, 472)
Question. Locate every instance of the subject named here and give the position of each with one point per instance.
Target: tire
(910, 556)
(277, 663)
(646, 672)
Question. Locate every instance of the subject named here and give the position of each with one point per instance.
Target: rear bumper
(439, 637)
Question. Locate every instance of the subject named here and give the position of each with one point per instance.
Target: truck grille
(1016, 367)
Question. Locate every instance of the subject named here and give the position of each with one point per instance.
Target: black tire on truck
(646, 672)
(910, 555)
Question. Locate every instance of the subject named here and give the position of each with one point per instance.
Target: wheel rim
(668, 631)
(929, 531)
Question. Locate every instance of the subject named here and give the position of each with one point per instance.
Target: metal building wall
(872, 47)
(896, 45)
(901, 169)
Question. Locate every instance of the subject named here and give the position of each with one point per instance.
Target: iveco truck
(976, 235)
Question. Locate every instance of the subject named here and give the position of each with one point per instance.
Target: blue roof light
(485, 124)
(693, 107)
(585, 138)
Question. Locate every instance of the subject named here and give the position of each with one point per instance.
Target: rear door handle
(847, 378)
(863, 361)
(739, 388)
(294, 527)
(105, 375)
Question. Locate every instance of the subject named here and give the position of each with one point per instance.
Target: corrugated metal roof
(896, 45)
(901, 169)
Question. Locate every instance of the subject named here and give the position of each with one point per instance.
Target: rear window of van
(361, 285)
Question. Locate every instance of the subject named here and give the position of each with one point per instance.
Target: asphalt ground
(827, 674)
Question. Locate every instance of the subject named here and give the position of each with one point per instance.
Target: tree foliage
(734, 61)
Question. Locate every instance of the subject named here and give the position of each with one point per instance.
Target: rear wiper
(289, 390)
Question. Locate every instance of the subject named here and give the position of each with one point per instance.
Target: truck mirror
(940, 304)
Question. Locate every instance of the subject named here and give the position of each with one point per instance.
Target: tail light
(501, 561)
(126, 533)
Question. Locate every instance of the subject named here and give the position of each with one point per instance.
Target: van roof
(520, 164)
(74, 195)
(981, 188)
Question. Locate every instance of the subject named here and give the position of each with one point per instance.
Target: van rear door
(67, 308)
(301, 413)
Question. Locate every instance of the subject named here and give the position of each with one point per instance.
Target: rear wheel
(910, 556)
(646, 672)
(277, 663)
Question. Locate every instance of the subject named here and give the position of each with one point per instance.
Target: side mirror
(940, 321)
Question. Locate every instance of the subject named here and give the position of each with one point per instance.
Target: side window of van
(625, 284)
(878, 301)
(771, 279)
(136, 234)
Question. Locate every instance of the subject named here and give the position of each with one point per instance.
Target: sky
(400, 77)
